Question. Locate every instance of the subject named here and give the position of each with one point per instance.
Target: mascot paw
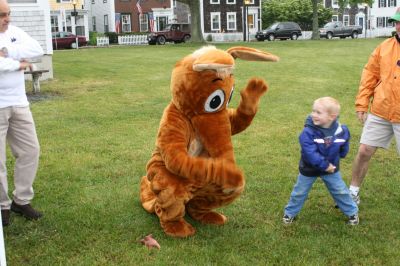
(234, 180)
(178, 228)
(256, 87)
(213, 218)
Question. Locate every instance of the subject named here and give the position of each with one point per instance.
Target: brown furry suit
(193, 167)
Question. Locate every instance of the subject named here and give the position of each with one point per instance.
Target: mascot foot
(178, 228)
(211, 218)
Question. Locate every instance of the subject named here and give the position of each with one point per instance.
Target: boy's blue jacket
(321, 146)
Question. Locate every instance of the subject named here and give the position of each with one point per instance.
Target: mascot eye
(214, 101)
(230, 96)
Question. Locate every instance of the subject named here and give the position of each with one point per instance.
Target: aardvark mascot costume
(193, 166)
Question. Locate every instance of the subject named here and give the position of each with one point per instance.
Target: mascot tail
(147, 196)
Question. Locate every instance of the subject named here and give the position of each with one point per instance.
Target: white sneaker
(355, 197)
(353, 220)
(287, 219)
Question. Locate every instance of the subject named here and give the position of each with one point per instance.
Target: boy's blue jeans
(336, 187)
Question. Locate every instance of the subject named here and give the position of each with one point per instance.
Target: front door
(161, 23)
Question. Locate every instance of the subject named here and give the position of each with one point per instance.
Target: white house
(33, 16)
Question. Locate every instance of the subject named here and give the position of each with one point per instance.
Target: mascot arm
(172, 143)
(250, 97)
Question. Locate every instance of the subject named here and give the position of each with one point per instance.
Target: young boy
(323, 142)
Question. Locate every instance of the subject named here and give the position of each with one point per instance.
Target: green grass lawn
(97, 128)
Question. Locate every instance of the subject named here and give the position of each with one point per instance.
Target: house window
(106, 23)
(94, 23)
(231, 2)
(93, 2)
(335, 18)
(335, 3)
(379, 22)
(214, 1)
(215, 21)
(54, 23)
(382, 3)
(231, 20)
(144, 25)
(250, 21)
(346, 20)
(392, 3)
(126, 22)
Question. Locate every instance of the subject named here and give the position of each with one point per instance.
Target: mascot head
(203, 81)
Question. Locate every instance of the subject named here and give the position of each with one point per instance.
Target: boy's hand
(331, 168)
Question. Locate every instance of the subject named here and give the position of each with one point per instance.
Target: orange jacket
(380, 82)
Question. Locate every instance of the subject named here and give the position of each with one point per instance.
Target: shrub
(92, 38)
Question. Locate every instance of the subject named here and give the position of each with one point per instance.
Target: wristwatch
(4, 50)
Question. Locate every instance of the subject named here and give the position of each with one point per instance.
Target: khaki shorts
(378, 132)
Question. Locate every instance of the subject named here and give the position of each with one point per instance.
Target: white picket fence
(132, 40)
(103, 41)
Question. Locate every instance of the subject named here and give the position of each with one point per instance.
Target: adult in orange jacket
(380, 92)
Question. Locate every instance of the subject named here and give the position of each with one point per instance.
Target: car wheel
(73, 45)
(271, 37)
(161, 40)
(329, 35)
(354, 35)
(294, 36)
(186, 38)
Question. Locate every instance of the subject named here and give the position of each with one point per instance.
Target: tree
(195, 19)
(315, 26)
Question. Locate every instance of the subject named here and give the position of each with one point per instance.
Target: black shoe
(26, 210)
(5, 217)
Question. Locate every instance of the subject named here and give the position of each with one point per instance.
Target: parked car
(280, 30)
(337, 29)
(172, 33)
(62, 40)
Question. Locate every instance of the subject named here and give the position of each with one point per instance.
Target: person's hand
(24, 65)
(331, 168)
(362, 116)
(2, 54)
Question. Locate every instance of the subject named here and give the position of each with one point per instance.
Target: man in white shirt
(16, 123)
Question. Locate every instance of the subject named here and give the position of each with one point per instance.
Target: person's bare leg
(360, 164)
(360, 168)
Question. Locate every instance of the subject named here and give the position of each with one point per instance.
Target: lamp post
(246, 23)
(75, 14)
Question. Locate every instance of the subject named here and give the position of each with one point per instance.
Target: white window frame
(335, 3)
(230, 2)
(212, 15)
(382, 3)
(214, 2)
(391, 3)
(346, 20)
(230, 21)
(144, 22)
(335, 18)
(127, 21)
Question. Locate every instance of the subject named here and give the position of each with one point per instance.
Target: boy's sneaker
(287, 219)
(355, 197)
(353, 220)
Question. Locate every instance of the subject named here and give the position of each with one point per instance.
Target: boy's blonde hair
(331, 104)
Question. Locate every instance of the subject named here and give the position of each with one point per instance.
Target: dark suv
(172, 33)
(280, 30)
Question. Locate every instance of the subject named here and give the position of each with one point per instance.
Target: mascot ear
(251, 54)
